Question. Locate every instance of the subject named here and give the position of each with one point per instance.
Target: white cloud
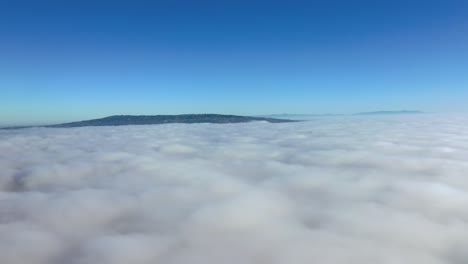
(332, 190)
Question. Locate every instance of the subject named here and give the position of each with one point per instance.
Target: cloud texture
(338, 190)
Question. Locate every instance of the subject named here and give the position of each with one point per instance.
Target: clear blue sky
(63, 61)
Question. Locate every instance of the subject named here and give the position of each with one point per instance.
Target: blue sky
(63, 61)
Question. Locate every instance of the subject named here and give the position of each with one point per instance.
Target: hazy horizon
(285, 115)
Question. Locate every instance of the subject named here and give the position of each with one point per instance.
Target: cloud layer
(331, 190)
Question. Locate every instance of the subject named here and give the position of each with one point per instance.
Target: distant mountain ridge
(122, 120)
(308, 116)
(304, 115)
(299, 116)
(403, 112)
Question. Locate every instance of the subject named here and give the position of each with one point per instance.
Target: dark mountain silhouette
(122, 120)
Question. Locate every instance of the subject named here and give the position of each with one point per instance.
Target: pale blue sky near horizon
(64, 62)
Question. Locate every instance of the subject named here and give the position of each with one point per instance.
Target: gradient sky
(72, 60)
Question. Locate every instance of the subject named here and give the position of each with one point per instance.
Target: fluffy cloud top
(335, 190)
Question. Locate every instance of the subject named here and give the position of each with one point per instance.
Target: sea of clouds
(371, 190)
